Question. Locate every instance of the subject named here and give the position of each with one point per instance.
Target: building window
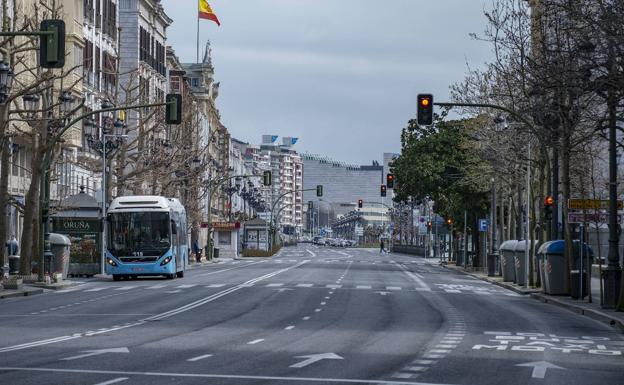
(194, 82)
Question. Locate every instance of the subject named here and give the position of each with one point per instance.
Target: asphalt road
(307, 316)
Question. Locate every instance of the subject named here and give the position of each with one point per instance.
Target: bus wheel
(134, 277)
(116, 277)
(171, 276)
(180, 274)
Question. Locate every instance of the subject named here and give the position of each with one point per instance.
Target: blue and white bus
(146, 237)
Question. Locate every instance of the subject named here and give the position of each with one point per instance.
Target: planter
(83, 269)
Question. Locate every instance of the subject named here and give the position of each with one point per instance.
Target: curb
(536, 294)
(591, 313)
(25, 293)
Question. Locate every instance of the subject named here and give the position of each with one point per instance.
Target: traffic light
(429, 225)
(548, 207)
(310, 205)
(383, 190)
(266, 178)
(449, 222)
(425, 109)
(52, 45)
(319, 190)
(390, 180)
(173, 109)
(360, 203)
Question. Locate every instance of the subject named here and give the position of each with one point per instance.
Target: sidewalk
(26, 290)
(592, 310)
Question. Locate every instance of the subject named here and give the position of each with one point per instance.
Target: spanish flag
(205, 12)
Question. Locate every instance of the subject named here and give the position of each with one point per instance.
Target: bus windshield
(139, 233)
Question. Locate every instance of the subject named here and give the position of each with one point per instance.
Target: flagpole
(198, 37)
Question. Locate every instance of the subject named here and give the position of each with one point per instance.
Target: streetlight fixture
(98, 140)
(6, 81)
(31, 104)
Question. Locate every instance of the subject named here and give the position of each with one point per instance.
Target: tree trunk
(30, 214)
(5, 155)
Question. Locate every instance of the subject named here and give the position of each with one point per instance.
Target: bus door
(175, 240)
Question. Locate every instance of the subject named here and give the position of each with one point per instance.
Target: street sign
(591, 218)
(596, 204)
(483, 225)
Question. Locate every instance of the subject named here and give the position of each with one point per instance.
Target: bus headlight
(111, 262)
(165, 261)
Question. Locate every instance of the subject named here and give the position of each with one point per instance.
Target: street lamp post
(492, 263)
(104, 148)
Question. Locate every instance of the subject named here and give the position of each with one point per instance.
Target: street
(309, 315)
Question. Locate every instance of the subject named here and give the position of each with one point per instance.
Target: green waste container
(216, 253)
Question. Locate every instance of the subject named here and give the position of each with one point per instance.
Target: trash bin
(520, 261)
(14, 262)
(507, 251)
(554, 267)
(541, 264)
(216, 253)
(460, 258)
(60, 246)
(575, 284)
(492, 264)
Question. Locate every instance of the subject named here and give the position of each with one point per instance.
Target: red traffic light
(549, 201)
(360, 203)
(449, 221)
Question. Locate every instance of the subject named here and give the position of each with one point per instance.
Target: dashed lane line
(199, 357)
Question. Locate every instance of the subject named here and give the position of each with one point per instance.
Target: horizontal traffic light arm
(279, 198)
(25, 33)
(487, 105)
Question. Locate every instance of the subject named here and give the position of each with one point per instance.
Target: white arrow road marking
(312, 358)
(311, 252)
(540, 368)
(383, 292)
(90, 353)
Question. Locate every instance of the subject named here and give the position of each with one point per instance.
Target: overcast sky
(341, 75)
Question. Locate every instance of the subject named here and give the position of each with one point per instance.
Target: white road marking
(97, 289)
(424, 362)
(215, 376)
(306, 318)
(333, 286)
(311, 252)
(215, 285)
(540, 368)
(317, 310)
(185, 286)
(157, 317)
(305, 285)
(312, 358)
(416, 368)
(422, 289)
(255, 341)
(113, 381)
(156, 287)
(444, 346)
(415, 278)
(231, 268)
(98, 352)
(364, 287)
(275, 285)
(452, 291)
(323, 303)
(395, 288)
(199, 357)
(433, 356)
(126, 288)
(438, 351)
(173, 291)
(402, 375)
(291, 327)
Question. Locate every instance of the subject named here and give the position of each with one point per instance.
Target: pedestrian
(381, 246)
(197, 251)
(12, 246)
